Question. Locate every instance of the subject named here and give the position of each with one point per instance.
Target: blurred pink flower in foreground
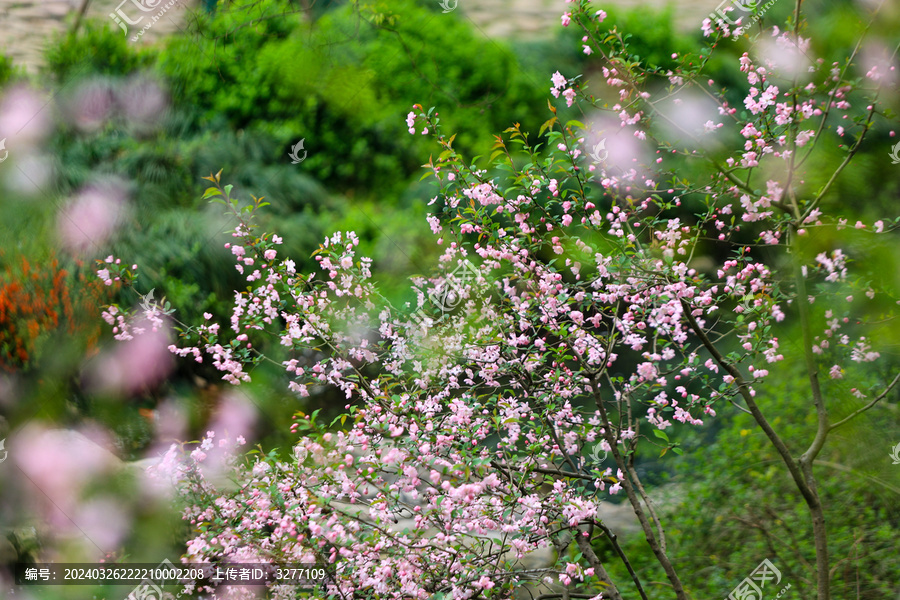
(32, 175)
(141, 101)
(138, 101)
(172, 423)
(91, 217)
(128, 367)
(62, 461)
(104, 521)
(91, 105)
(785, 57)
(626, 155)
(688, 116)
(58, 466)
(879, 64)
(24, 118)
(235, 416)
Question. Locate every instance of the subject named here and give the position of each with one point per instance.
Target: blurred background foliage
(238, 90)
(733, 504)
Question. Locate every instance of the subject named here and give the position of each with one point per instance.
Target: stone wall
(27, 25)
(538, 18)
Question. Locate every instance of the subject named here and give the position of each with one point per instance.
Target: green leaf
(547, 124)
(660, 434)
(210, 192)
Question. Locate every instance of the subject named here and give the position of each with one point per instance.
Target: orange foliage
(39, 299)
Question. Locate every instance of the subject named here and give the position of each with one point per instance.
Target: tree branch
(613, 539)
(877, 399)
(584, 545)
(661, 556)
(800, 472)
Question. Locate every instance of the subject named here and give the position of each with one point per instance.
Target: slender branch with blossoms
(580, 320)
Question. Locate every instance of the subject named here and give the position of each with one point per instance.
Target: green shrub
(9, 72)
(96, 50)
(345, 86)
(722, 528)
(649, 34)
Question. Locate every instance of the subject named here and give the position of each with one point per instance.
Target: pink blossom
(804, 136)
(558, 81)
(463, 399)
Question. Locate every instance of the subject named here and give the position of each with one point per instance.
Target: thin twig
(867, 406)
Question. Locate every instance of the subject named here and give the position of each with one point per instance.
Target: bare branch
(614, 540)
(867, 406)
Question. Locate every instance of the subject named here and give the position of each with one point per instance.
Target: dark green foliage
(344, 85)
(720, 528)
(650, 36)
(245, 87)
(96, 50)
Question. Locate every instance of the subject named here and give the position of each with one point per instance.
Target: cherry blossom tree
(571, 312)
